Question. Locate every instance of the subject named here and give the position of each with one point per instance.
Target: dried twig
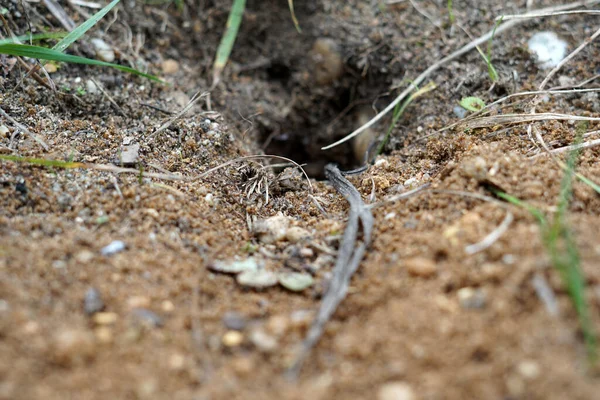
(349, 256)
(185, 109)
(584, 145)
(503, 119)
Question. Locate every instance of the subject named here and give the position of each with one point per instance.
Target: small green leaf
(472, 104)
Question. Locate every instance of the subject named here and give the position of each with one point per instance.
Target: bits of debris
(114, 247)
(170, 66)
(232, 339)
(295, 281)
(258, 279)
(234, 321)
(234, 267)
(272, 229)
(421, 267)
(129, 155)
(263, 341)
(147, 317)
(92, 302)
(395, 391)
(105, 318)
(104, 51)
(73, 347)
(328, 63)
(296, 234)
(472, 298)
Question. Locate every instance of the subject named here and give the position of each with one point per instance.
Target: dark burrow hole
(312, 89)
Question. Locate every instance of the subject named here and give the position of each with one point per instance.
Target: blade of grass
(43, 53)
(228, 39)
(37, 36)
(83, 28)
(399, 110)
(293, 14)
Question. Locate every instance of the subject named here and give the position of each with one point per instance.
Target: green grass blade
(228, 39)
(41, 161)
(83, 28)
(293, 14)
(42, 53)
(37, 36)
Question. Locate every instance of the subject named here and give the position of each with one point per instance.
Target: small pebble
(138, 302)
(147, 317)
(84, 256)
(271, 230)
(395, 391)
(295, 281)
(471, 298)
(4, 131)
(306, 252)
(459, 112)
(167, 306)
(176, 362)
(72, 347)
(421, 267)
(234, 267)
(169, 66)
(234, 321)
(263, 341)
(104, 51)
(328, 62)
(258, 279)
(529, 369)
(91, 87)
(92, 302)
(130, 155)
(243, 366)
(104, 334)
(296, 234)
(105, 318)
(232, 339)
(114, 247)
(548, 48)
(50, 68)
(278, 325)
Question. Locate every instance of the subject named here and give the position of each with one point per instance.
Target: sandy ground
(425, 317)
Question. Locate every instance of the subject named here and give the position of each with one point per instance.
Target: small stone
(278, 325)
(138, 302)
(295, 281)
(176, 362)
(459, 112)
(130, 155)
(31, 328)
(4, 131)
(167, 306)
(114, 247)
(92, 302)
(105, 318)
(90, 87)
(529, 369)
(232, 339)
(50, 67)
(234, 267)
(258, 279)
(147, 317)
(72, 347)
(421, 267)
(395, 391)
(103, 50)
(169, 66)
(328, 62)
(548, 48)
(306, 252)
(243, 366)
(263, 341)
(472, 298)
(296, 234)
(234, 321)
(104, 334)
(84, 256)
(271, 230)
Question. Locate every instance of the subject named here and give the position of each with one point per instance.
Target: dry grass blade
(542, 15)
(492, 237)
(505, 119)
(23, 129)
(584, 145)
(180, 114)
(293, 14)
(463, 50)
(59, 13)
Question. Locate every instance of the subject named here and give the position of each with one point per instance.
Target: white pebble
(103, 50)
(395, 391)
(114, 247)
(548, 47)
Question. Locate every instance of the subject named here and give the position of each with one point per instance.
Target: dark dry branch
(349, 256)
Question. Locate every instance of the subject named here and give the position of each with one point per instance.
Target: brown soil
(163, 332)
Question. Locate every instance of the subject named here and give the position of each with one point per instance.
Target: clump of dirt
(433, 312)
